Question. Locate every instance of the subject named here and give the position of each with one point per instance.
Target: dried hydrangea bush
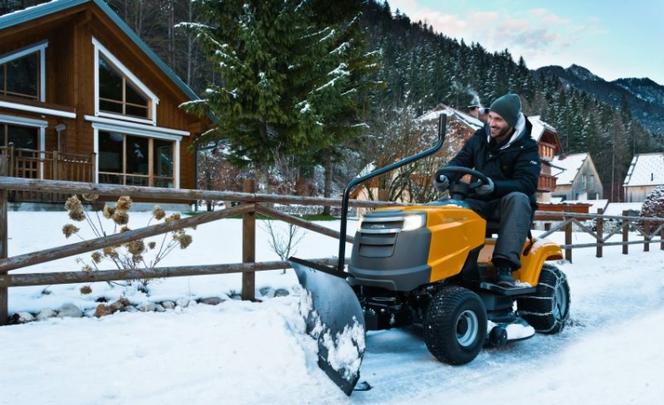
(132, 255)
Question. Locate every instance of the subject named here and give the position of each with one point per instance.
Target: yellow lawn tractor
(428, 265)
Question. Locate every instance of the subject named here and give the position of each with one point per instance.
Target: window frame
(25, 51)
(153, 100)
(131, 131)
(29, 122)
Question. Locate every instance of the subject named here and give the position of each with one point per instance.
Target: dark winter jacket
(513, 165)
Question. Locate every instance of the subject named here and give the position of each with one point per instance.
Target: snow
(344, 349)
(569, 167)
(646, 169)
(451, 112)
(539, 127)
(254, 353)
(618, 208)
(31, 9)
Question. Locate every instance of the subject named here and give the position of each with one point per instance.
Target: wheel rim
(559, 302)
(467, 327)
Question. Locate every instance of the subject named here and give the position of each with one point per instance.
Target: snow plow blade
(335, 319)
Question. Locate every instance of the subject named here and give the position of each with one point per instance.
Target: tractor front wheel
(455, 325)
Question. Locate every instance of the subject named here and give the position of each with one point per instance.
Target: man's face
(499, 127)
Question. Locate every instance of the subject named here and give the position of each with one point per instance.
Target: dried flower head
(124, 203)
(137, 258)
(136, 247)
(120, 217)
(96, 257)
(73, 204)
(152, 245)
(86, 289)
(124, 229)
(77, 215)
(87, 268)
(69, 230)
(184, 240)
(158, 213)
(173, 217)
(110, 252)
(108, 211)
(90, 196)
(75, 208)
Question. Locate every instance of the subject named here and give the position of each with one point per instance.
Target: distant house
(644, 174)
(83, 98)
(548, 141)
(577, 178)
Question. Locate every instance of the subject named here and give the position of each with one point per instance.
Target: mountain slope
(643, 97)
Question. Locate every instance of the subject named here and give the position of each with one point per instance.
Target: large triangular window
(118, 95)
(118, 92)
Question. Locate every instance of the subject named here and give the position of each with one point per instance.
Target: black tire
(548, 309)
(455, 325)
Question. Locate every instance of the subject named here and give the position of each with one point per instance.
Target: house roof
(568, 167)
(646, 169)
(55, 6)
(539, 127)
(451, 112)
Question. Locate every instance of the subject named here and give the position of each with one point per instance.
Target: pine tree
(285, 78)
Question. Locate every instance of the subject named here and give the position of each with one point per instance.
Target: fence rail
(252, 203)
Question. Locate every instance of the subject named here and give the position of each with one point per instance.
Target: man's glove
(441, 182)
(485, 189)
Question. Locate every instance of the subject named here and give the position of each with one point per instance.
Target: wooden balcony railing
(47, 165)
(546, 183)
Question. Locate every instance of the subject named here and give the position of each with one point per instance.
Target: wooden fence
(251, 204)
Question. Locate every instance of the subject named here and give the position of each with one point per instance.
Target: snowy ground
(239, 352)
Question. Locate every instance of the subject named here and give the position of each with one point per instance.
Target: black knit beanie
(508, 107)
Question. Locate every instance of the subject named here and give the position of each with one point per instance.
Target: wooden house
(578, 178)
(645, 173)
(83, 98)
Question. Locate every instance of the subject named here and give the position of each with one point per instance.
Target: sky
(611, 38)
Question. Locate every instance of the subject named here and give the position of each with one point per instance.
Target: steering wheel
(459, 189)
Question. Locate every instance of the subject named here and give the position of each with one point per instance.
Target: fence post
(249, 245)
(646, 237)
(93, 169)
(55, 171)
(599, 232)
(4, 291)
(568, 237)
(625, 233)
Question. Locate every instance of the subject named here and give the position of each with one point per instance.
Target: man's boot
(504, 277)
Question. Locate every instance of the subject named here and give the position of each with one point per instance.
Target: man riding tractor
(504, 151)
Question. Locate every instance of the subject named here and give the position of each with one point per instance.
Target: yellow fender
(540, 251)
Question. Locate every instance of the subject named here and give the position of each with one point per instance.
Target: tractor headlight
(412, 222)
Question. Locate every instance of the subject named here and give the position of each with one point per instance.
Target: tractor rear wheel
(548, 309)
(455, 325)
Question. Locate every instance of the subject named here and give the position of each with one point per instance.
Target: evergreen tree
(287, 77)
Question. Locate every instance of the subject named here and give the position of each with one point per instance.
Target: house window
(117, 95)
(19, 136)
(135, 160)
(22, 73)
